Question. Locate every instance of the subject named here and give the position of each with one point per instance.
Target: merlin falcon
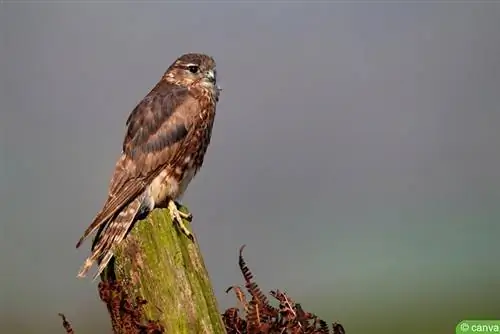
(167, 135)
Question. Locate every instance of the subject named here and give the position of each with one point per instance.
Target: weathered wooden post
(161, 265)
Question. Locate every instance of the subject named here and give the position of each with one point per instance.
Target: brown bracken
(260, 317)
(126, 315)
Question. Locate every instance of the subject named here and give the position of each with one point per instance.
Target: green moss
(166, 268)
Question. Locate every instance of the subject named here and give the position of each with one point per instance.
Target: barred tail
(109, 236)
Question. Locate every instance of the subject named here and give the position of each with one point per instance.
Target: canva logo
(478, 326)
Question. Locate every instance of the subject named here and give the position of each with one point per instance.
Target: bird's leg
(175, 214)
(187, 216)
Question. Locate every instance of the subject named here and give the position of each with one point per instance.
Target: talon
(187, 216)
(177, 219)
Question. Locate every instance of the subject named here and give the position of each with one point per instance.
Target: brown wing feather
(155, 129)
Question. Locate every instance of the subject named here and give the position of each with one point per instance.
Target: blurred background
(356, 152)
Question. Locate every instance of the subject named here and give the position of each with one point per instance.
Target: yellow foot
(177, 219)
(187, 216)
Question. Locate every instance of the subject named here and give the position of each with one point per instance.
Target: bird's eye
(193, 69)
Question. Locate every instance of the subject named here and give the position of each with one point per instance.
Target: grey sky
(355, 152)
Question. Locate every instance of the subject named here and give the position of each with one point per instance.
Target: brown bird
(167, 137)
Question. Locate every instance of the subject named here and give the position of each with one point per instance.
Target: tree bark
(161, 265)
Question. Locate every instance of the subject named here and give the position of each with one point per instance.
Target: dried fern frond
(251, 286)
(240, 295)
(262, 318)
(66, 324)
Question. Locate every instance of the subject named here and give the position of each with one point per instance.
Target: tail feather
(98, 222)
(109, 236)
(101, 219)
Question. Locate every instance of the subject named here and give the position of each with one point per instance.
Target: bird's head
(194, 69)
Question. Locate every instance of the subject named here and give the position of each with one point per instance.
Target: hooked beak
(210, 75)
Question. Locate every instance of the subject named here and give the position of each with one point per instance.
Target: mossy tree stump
(161, 265)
